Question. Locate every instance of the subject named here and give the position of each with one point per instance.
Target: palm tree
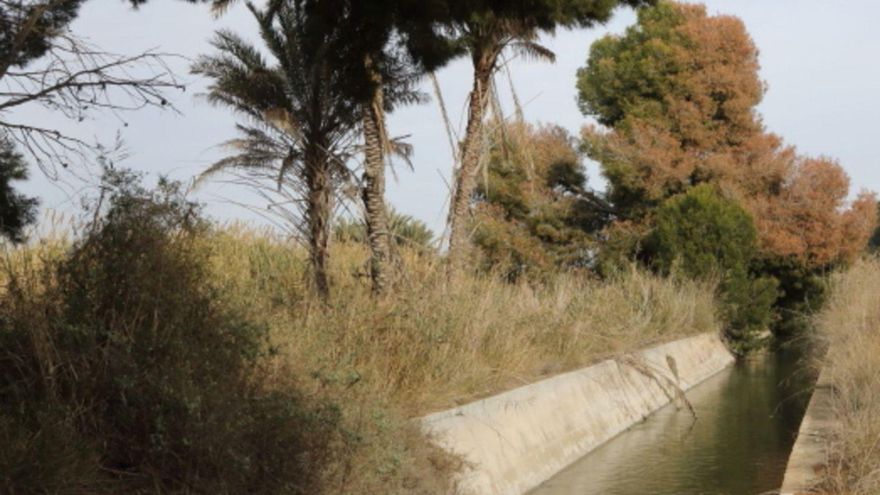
(485, 39)
(485, 29)
(389, 44)
(394, 43)
(406, 231)
(298, 124)
(392, 77)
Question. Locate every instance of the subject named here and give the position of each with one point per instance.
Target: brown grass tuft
(849, 325)
(430, 346)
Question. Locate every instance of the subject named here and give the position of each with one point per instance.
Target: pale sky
(819, 58)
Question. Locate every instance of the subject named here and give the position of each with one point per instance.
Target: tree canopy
(26, 29)
(678, 93)
(484, 30)
(699, 234)
(531, 217)
(16, 210)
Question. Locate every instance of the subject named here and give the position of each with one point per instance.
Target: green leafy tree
(16, 210)
(678, 91)
(801, 293)
(485, 29)
(702, 234)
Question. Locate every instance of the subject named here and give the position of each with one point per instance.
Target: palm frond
(532, 50)
(402, 150)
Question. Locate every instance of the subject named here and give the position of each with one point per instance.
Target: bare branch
(76, 80)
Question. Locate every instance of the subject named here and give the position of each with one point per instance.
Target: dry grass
(430, 346)
(850, 325)
(426, 347)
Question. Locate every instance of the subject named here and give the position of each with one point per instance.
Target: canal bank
(747, 420)
(808, 456)
(517, 440)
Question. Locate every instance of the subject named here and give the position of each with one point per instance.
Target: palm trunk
(318, 209)
(466, 181)
(373, 193)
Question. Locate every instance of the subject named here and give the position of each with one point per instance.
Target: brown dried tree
(678, 96)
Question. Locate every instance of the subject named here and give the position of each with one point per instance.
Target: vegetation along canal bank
(343, 347)
(849, 327)
(516, 440)
(737, 441)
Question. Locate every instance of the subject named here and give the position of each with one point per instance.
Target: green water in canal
(747, 420)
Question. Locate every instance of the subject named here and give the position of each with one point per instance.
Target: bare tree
(44, 64)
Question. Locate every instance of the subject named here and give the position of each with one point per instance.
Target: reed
(849, 325)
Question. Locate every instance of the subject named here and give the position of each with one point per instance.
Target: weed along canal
(747, 420)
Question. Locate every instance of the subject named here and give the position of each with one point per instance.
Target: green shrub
(802, 292)
(121, 368)
(405, 230)
(702, 234)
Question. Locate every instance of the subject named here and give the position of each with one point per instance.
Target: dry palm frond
(450, 132)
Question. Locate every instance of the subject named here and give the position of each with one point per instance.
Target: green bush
(802, 293)
(622, 247)
(406, 231)
(120, 369)
(702, 234)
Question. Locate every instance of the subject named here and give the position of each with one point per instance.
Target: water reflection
(747, 420)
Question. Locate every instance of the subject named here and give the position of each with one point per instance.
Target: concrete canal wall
(514, 441)
(808, 454)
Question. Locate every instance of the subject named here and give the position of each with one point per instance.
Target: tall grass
(432, 346)
(378, 363)
(849, 324)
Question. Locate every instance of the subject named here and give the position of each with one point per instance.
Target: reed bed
(430, 345)
(849, 325)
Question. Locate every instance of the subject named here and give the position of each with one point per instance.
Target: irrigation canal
(747, 420)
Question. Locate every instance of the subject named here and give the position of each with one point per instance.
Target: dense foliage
(531, 216)
(43, 21)
(678, 93)
(405, 231)
(16, 210)
(678, 90)
(701, 234)
(121, 356)
(485, 30)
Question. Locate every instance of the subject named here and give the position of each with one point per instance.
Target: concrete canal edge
(805, 465)
(514, 441)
